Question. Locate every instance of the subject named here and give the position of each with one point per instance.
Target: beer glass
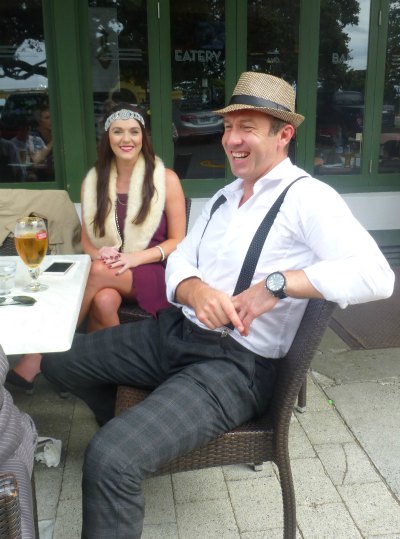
(31, 242)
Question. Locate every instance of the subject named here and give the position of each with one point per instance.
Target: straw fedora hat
(265, 93)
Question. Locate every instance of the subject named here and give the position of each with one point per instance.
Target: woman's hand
(123, 262)
(107, 254)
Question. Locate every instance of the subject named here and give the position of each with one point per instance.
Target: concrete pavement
(345, 453)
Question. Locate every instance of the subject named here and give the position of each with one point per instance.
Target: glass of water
(7, 275)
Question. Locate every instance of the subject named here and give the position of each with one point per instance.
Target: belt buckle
(225, 332)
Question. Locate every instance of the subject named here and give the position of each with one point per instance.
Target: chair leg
(302, 398)
(258, 466)
(288, 498)
(34, 505)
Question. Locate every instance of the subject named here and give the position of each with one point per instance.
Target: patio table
(48, 325)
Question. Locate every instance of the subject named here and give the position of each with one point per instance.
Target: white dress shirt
(314, 231)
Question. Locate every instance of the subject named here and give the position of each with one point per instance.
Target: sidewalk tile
(69, 520)
(311, 483)
(161, 531)
(257, 503)
(346, 463)
(206, 519)
(47, 485)
(46, 529)
(237, 472)
(71, 488)
(160, 508)
(299, 445)
(372, 507)
(317, 401)
(208, 484)
(324, 427)
(266, 534)
(326, 522)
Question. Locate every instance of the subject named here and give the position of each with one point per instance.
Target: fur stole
(137, 237)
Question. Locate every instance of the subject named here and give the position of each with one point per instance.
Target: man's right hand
(212, 307)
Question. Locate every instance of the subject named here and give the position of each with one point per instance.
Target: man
(10, 170)
(207, 378)
(41, 145)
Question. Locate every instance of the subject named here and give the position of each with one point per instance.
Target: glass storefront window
(26, 147)
(273, 41)
(198, 87)
(341, 86)
(390, 128)
(119, 56)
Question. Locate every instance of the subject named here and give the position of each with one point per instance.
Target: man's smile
(240, 155)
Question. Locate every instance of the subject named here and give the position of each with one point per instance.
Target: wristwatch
(275, 283)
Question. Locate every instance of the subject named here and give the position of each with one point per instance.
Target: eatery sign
(193, 55)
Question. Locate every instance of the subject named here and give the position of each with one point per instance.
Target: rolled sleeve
(177, 271)
(352, 281)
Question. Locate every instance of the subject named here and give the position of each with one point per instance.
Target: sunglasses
(17, 300)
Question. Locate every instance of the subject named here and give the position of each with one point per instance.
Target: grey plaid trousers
(203, 384)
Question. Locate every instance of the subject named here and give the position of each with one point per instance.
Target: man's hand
(251, 303)
(212, 307)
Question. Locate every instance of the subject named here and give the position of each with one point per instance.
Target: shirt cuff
(176, 278)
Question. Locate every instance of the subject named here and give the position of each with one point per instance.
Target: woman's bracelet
(162, 252)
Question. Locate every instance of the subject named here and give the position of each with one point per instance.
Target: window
(341, 87)
(119, 56)
(198, 87)
(273, 40)
(26, 146)
(389, 156)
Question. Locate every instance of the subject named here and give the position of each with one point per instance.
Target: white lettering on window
(197, 55)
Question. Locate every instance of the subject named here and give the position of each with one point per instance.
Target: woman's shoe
(15, 379)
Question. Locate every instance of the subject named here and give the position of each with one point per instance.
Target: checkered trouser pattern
(204, 385)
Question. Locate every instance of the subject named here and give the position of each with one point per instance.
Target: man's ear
(286, 134)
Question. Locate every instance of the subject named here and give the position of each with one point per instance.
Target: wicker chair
(130, 312)
(266, 438)
(10, 511)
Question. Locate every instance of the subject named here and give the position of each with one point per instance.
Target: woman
(133, 216)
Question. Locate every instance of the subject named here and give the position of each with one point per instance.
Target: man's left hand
(251, 303)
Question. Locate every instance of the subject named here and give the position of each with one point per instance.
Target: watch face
(275, 282)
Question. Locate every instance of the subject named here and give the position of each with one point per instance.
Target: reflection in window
(390, 127)
(273, 41)
(341, 86)
(198, 79)
(119, 56)
(26, 148)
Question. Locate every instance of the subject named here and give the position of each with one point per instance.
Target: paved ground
(345, 453)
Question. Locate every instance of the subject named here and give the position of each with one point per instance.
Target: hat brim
(289, 117)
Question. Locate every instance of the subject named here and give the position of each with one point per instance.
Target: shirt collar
(283, 172)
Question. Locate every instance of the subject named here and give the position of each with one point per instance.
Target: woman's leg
(104, 310)
(105, 313)
(28, 366)
(101, 276)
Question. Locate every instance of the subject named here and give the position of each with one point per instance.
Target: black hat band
(242, 99)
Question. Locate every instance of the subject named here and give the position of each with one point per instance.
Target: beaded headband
(123, 114)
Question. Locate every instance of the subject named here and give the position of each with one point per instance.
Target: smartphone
(58, 268)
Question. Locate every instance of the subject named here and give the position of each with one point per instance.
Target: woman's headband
(123, 114)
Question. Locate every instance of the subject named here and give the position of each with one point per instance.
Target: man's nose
(232, 137)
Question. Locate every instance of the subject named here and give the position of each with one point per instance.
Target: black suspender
(254, 251)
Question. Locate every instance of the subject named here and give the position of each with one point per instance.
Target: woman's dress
(148, 280)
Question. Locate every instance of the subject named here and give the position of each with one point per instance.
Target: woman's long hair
(103, 167)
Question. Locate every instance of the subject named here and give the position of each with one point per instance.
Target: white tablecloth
(49, 325)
